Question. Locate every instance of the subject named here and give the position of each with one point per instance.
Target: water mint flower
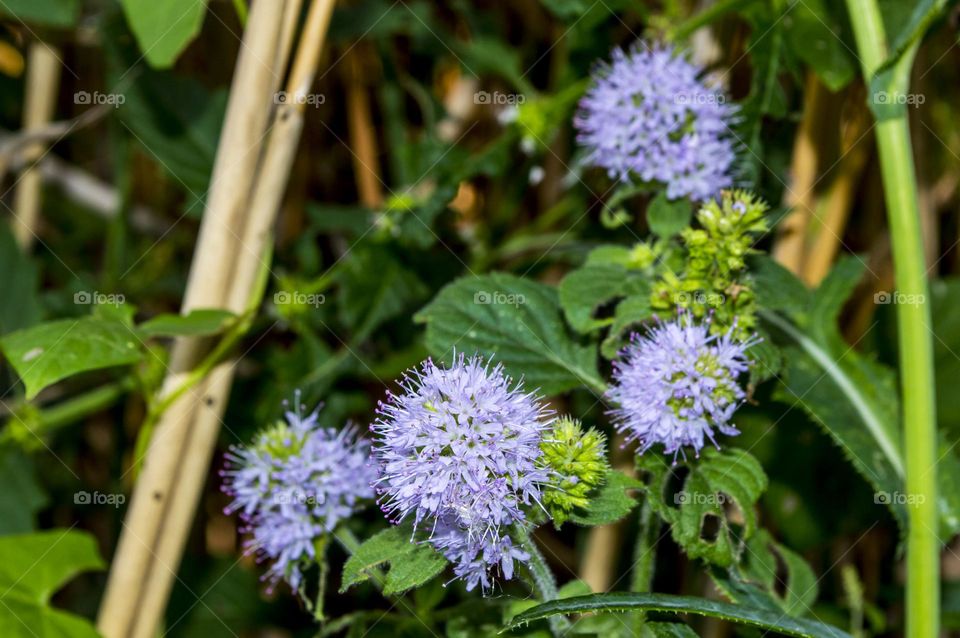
(458, 451)
(293, 485)
(649, 117)
(578, 465)
(677, 384)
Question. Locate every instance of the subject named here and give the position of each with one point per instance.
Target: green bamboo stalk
(913, 319)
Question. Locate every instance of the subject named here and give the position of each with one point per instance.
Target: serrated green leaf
(203, 322)
(701, 503)
(411, 563)
(853, 398)
(55, 350)
(32, 568)
(164, 29)
(516, 322)
(617, 602)
(668, 217)
(611, 502)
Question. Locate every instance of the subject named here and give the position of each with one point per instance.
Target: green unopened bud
(578, 463)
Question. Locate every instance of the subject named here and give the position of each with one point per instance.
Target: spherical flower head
(675, 385)
(578, 465)
(458, 450)
(293, 485)
(649, 117)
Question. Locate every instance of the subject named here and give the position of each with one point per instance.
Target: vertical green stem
(641, 578)
(913, 318)
(543, 580)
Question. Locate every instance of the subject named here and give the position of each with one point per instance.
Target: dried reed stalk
(43, 85)
(790, 247)
(124, 612)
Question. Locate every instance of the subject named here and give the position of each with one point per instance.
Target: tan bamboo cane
(836, 204)
(265, 202)
(43, 85)
(238, 152)
(790, 247)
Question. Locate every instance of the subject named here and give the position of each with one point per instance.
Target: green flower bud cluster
(578, 460)
(712, 277)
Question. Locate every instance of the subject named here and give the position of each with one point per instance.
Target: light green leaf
(619, 602)
(55, 350)
(666, 217)
(611, 502)
(52, 13)
(32, 568)
(699, 514)
(585, 289)
(514, 321)
(629, 312)
(411, 563)
(203, 322)
(164, 29)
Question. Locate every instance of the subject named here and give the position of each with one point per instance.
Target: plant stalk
(544, 583)
(913, 319)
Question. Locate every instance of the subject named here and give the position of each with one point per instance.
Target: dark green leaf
(53, 13)
(21, 497)
(411, 563)
(19, 280)
(815, 34)
(619, 602)
(55, 350)
(514, 321)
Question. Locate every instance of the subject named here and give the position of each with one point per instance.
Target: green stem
(644, 555)
(71, 410)
(544, 584)
(241, 7)
(913, 319)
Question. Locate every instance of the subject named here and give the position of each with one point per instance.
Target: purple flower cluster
(293, 485)
(677, 384)
(648, 116)
(458, 451)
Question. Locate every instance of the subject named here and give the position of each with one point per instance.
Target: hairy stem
(545, 585)
(913, 319)
(644, 556)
